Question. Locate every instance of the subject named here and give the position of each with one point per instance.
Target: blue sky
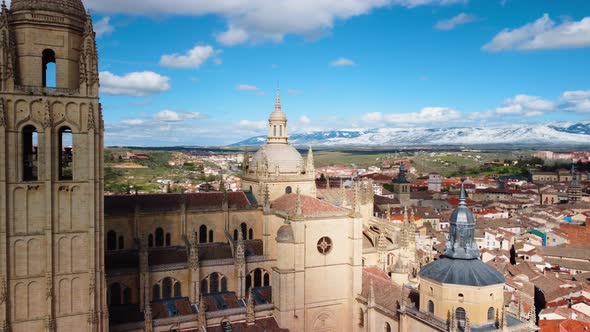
(204, 72)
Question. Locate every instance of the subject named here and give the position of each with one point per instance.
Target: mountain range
(536, 135)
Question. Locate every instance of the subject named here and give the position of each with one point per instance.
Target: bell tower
(51, 170)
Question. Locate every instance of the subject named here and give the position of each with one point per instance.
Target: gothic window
(248, 281)
(257, 278)
(115, 294)
(121, 243)
(127, 295)
(324, 245)
(460, 317)
(167, 239)
(156, 292)
(167, 288)
(49, 69)
(491, 314)
(387, 327)
(65, 153)
(111, 240)
(266, 279)
(150, 240)
(30, 149)
(235, 234)
(288, 190)
(244, 230)
(223, 284)
(203, 234)
(177, 290)
(211, 235)
(214, 283)
(251, 234)
(159, 237)
(430, 307)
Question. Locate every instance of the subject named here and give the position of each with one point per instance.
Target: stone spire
(412, 231)
(193, 260)
(310, 164)
(298, 204)
(277, 130)
(250, 313)
(461, 243)
(240, 251)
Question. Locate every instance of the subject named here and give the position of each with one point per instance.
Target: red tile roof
(310, 206)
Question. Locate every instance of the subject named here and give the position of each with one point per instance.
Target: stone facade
(51, 157)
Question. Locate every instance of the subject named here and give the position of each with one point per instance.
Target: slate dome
(68, 7)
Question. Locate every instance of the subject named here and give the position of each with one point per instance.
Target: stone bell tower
(51, 170)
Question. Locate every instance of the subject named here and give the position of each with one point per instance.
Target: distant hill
(551, 134)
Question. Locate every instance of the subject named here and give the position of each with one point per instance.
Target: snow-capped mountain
(551, 134)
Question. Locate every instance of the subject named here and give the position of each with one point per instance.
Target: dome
(471, 272)
(462, 215)
(285, 234)
(286, 157)
(69, 7)
(278, 116)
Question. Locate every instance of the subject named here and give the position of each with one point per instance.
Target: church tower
(51, 162)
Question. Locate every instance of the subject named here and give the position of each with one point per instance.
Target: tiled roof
(310, 206)
(261, 325)
(121, 259)
(172, 308)
(387, 293)
(168, 255)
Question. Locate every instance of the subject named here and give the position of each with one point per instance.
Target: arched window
(257, 278)
(115, 294)
(235, 234)
(65, 152)
(211, 235)
(203, 234)
(266, 279)
(430, 307)
(30, 153)
(167, 288)
(156, 292)
(121, 243)
(167, 239)
(274, 130)
(491, 314)
(159, 237)
(387, 327)
(127, 295)
(177, 289)
(288, 190)
(49, 69)
(223, 284)
(244, 230)
(111, 240)
(150, 240)
(460, 317)
(214, 283)
(251, 234)
(281, 130)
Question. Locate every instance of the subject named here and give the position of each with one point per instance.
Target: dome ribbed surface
(69, 7)
(471, 272)
(283, 156)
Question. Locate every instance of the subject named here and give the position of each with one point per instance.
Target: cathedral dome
(283, 156)
(278, 115)
(68, 7)
(285, 234)
(463, 272)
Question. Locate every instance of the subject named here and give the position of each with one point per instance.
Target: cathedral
(280, 255)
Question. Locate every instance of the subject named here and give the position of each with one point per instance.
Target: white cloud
(135, 84)
(103, 27)
(453, 22)
(542, 34)
(249, 88)
(525, 105)
(194, 58)
(260, 20)
(173, 116)
(254, 125)
(342, 62)
(305, 120)
(577, 101)
(133, 122)
(426, 115)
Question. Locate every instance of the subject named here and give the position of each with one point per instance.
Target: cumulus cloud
(135, 84)
(173, 116)
(525, 105)
(194, 58)
(260, 20)
(103, 27)
(577, 101)
(542, 34)
(133, 122)
(305, 120)
(453, 22)
(426, 115)
(254, 125)
(342, 62)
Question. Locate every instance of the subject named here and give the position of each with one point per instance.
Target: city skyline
(175, 74)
